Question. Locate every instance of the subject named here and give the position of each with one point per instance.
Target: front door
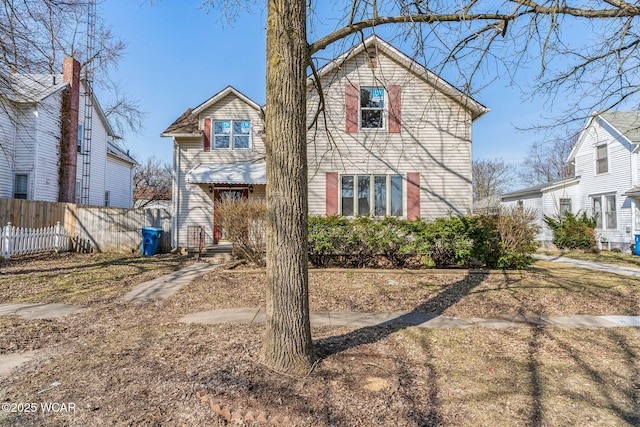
(225, 194)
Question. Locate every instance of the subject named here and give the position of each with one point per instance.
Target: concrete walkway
(165, 286)
(589, 265)
(39, 311)
(421, 320)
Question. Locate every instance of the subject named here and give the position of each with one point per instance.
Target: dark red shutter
(206, 133)
(332, 193)
(413, 195)
(351, 107)
(395, 103)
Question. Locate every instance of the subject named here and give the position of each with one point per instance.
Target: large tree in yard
(469, 40)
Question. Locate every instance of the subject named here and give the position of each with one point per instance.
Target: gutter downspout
(176, 194)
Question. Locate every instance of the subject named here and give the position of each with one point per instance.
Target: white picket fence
(18, 240)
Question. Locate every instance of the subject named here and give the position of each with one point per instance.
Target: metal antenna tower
(87, 128)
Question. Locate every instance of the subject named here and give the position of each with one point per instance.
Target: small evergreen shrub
(571, 231)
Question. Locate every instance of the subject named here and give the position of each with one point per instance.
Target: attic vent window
(372, 55)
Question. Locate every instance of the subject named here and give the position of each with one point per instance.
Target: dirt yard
(129, 364)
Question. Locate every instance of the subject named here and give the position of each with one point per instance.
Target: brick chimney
(69, 131)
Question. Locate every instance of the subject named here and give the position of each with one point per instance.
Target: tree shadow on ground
(421, 413)
(423, 312)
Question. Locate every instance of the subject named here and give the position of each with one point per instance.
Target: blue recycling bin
(636, 249)
(150, 240)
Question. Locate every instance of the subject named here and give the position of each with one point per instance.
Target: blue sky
(178, 56)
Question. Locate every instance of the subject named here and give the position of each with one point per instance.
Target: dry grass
(129, 364)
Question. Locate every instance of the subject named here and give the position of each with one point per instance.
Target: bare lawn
(129, 364)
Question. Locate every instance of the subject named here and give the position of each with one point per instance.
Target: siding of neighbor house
(195, 207)
(119, 182)
(551, 205)
(529, 201)
(32, 146)
(435, 139)
(616, 181)
(7, 137)
(46, 153)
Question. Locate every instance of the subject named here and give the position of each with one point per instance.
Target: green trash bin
(150, 240)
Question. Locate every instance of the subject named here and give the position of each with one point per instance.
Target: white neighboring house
(606, 182)
(394, 140)
(36, 127)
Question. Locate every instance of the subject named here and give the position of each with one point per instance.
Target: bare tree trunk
(287, 347)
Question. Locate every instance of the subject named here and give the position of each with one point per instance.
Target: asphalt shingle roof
(627, 123)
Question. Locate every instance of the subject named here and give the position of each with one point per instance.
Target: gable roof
(28, 88)
(540, 188)
(476, 108)
(229, 90)
(187, 123)
(625, 123)
(34, 88)
(114, 150)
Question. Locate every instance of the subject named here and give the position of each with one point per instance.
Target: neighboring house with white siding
(394, 140)
(606, 183)
(43, 143)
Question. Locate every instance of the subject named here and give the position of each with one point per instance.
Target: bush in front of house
(502, 241)
(572, 231)
(243, 221)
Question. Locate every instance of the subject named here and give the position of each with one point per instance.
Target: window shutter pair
(352, 108)
(332, 194)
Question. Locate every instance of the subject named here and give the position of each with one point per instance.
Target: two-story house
(47, 150)
(606, 183)
(387, 138)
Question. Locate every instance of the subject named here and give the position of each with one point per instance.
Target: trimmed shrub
(571, 231)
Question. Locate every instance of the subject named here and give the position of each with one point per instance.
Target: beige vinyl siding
(232, 108)
(435, 139)
(195, 204)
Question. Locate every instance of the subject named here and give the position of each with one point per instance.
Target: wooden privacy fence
(19, 241)
(92, 228)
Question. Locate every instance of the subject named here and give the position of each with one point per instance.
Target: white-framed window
(371, 195)
(602, 159)
(372, 107)
(80, 138)
(231, 134)
(107, 198)
(21, 186)
(565, 206)
(604, 209)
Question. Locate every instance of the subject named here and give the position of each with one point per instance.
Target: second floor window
(372, 108)
(602, 159)
(231, 134)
